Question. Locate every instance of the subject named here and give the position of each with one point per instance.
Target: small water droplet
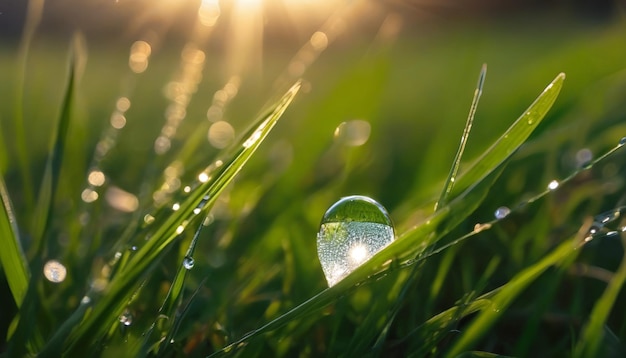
(176, 206)
(608, 217)
(595, 228)
(353, 133)
(553, 185)
(54, 271)
(126, 318)
(85, 300)
(353, 230)
(148, 219)
(612, 233)
(622, 141)
(188, 262)
(502, 212)
(583, 158)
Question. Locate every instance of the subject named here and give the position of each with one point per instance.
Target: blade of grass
(593, 334)
(449, 184)
(507, 293)
(12, 256)
(173, 299)
(50, 181)
(515, 136)
(33, 17)
(108, 305)
(27, 334)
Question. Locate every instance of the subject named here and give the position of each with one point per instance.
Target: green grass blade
(50, 181)
(593, 334)
(33, 18)
(174, 297)
(12, 256)
(108, 306)
(501, 301)
(515, 136)
(449, 184)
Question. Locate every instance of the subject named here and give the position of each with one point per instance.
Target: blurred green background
(407, 68)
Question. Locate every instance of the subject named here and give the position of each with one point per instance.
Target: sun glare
(250, 4)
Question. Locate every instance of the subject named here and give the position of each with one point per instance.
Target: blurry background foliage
(399, 75)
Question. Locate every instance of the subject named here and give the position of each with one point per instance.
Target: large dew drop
(353, 230)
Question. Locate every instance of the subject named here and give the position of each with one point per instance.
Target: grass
(545, 280)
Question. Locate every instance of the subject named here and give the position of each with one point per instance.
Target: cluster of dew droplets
(352, 230)
(600, 226)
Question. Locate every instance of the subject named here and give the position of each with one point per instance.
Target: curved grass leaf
(476, 183)
(515, 136)
(50, 181)
(106, 306)
(507, 293)
(593, 334)
(12, 256)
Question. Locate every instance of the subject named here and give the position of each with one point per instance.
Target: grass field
(175, 245)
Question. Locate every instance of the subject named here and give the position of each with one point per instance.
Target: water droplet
(608, 217)
(553, 185)
(54, 271)
(502, 212)
(583, 158)
(176, 206)
(148, 219)
(85, 300)
(353, 133)
(612, 233)
(126, 318)
(188, 262)
(353, 230)
(595, 228)
(622, 141)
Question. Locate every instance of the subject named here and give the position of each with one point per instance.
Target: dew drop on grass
(553, 185)
(54, 271)
(353, 230)
(608, 217)
(502, 212)
(622, 141)
(188, 262)
(126, 318)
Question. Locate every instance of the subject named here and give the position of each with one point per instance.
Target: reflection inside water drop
(502, 212)
(188, 262)
(126, 318)
(553, 185)
(352, 231)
